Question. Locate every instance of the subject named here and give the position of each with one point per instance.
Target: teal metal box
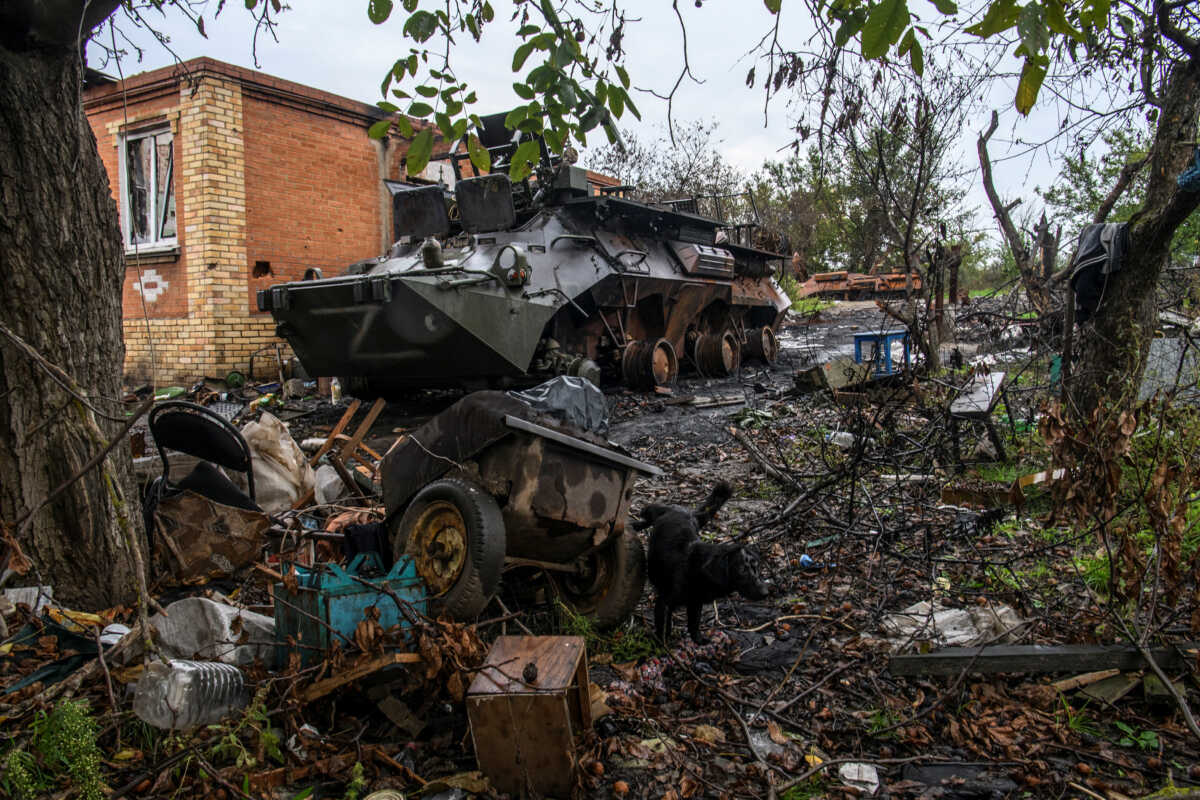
(330, 603)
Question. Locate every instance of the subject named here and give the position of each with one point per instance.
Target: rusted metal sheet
(525, 719)
(197, 539)
(843, 285)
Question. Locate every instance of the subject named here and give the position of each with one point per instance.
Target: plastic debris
(185, 694)
(864, 777)
(197, 627)
(951, 627)
(281, 472)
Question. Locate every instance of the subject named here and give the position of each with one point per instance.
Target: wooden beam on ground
(322, 688)
(1037, 658)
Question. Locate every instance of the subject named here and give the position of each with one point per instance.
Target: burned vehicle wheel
(454, 532)
(609, 584)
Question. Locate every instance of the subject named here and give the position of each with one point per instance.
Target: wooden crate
(524, 734)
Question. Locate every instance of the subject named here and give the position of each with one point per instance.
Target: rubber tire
(626, 561)
(486, 542)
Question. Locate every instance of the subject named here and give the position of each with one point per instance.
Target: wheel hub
(438, 545)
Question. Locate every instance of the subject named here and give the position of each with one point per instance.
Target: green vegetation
(1143, 740)
(64, 745)
(627, 643)
(814, 787)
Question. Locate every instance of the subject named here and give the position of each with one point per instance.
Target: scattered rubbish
(1111, 690)
(763, 745)
(197, 539)
(524, 736)
(196, 627)
(329, 486)
(575, 401)
(182, 694)
(887, 351)
(961, 780)
(281, 472)
(935, 624)
(320, 606)
(806, 562)
(402, 716)
(840, 373)
(36, 597)
(975, 403)
(1039, 658)
(864, 777)
(113, 633)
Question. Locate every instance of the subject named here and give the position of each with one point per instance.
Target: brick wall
(271, 177)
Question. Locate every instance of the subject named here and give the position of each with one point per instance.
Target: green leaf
(772, 5)
(916, 57)
(488, 14)
(411, 5)
(523, 159)
(520, 55)
(379, 129)
(554, 140)
(303, 794)
(848, 29)
(885, 22)
(420, 26)
(419, 152)
(947, 7)
(391, 108)
(444, 125)
(616, 101)
(1056, 18)
(460, 129)
(623, 75)
(427, 91)
(523, 91)
(1032, 75)
(453, 107)
(404, 124)
(480, 157)
(632, 108)
(1031, 25)
(1001, 15)
(528, 30)
(413, 64)
(516, 117)
(379, 10)
(473, 26)
(420, 110)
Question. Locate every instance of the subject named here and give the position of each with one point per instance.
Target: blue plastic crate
(880, 349)
(330, 599)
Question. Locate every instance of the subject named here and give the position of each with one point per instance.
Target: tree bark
(1110, 356)
(63, 266)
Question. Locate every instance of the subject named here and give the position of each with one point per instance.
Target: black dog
(689, 572)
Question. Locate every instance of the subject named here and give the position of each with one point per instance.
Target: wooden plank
(979, 397)
(322, 688)
(1087, 679)
(1036, 658)
(556, 658)
(364, 428)
(332, 437)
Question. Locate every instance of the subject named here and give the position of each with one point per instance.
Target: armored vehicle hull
(597, 286)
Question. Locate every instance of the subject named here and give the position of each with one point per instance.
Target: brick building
(228, 180)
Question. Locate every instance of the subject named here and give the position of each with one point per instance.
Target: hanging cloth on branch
(1189, 179)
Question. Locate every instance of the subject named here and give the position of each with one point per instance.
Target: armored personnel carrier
(493, 284)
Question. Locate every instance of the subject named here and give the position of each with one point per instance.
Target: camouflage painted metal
(487, 287)
(197, 539)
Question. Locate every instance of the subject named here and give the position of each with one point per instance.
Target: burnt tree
(60, 306)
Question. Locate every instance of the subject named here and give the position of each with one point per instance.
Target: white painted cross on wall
(151, 285)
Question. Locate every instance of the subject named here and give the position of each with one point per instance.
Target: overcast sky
(333, 46)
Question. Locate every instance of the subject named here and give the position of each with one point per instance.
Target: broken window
(148, 189)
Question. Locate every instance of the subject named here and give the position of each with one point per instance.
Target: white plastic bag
(281, 471)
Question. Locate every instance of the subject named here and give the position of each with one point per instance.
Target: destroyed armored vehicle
(493, 284)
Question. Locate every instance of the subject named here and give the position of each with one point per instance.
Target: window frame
(158, 244)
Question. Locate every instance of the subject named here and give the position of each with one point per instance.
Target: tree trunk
(1110, 354)
(63, 267)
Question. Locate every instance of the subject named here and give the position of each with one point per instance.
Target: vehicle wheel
(455, 534)
(610, 586)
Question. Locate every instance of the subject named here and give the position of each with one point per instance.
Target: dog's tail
(707, 510)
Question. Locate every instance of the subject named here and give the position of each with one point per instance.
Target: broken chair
(202, 525)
